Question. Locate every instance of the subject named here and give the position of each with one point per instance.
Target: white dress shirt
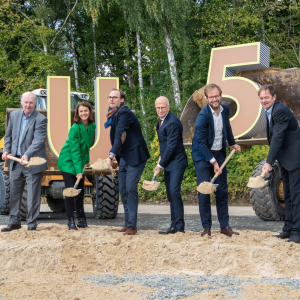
(162, 120)
(218, 125)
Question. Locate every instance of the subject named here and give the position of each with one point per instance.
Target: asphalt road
(151, 218)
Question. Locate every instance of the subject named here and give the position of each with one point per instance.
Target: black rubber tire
(23, 208)
(264, 200)
(56, 205)
(106, 197)
(4, 191)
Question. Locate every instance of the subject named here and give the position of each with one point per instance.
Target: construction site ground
(100, 263)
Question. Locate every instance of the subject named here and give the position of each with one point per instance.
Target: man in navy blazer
(212, 130)
(283, 135)
(173, 160)
(129, 146)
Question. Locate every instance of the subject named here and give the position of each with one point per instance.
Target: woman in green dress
(73, 156)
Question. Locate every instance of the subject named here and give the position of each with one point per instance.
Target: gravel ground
(180, 287)
(157, 222)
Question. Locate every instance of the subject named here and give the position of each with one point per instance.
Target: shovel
(33, 161)
(73, 192)
(257, 182)
(151, 185)
(210, 187)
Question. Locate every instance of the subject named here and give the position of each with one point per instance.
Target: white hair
(165, 98)
(28, 93)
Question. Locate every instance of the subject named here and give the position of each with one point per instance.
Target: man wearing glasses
(212, 130)
(130, 149)
(173, 160)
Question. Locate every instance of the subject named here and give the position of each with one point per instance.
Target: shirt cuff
(158, 165)
(212, 160)
(112, 154)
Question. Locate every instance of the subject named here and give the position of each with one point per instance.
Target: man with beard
(130, 149)
(212, 130)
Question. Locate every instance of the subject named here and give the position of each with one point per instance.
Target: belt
(213, 151)
(18, 156)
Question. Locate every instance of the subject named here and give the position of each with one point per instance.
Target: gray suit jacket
(33, 142)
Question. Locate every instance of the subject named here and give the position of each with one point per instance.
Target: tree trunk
(141, 79)
(173, 70)
(129, 79)
(263, 30)
(74, 55)
(95, 50)
(42, 3)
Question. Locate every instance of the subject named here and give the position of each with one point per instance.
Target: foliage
(239, 170)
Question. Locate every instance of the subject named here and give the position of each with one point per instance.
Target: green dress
(75, 153)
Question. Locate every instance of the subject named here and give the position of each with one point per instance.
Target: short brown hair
(77, 119)
(210, 87)
(122, 94)
(267, 87)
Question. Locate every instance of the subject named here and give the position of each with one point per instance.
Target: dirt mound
(53, 248)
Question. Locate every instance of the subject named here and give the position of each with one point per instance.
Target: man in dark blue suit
(173, 160)
(283, 135)
(129, 147)
(212, 130)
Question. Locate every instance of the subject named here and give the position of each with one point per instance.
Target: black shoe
(179, 230)
(168, 231)
(71, 224)
(283, 235)
(11, 227)
(82, 223)
(295, 238)
(31, 228)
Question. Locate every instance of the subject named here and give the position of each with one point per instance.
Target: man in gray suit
(25, 138)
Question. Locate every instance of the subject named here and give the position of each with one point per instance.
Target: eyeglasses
(112, 97)
(161, 108)
(214, 97)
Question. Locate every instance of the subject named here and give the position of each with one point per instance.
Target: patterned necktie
(159, 124)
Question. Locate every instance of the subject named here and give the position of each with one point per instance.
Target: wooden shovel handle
(78, 179)
(225, 162)
(14, 158)
(263, 173)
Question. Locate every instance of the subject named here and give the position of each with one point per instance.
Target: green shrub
(239, 169)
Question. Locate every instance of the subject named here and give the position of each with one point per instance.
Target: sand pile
(150, 185)
(206, 188)
(36, 161)
(101, 165)
(53, 248)
(71, 192)
(51, 262)
(256, 182)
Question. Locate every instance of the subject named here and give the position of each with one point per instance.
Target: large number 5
(224, 63)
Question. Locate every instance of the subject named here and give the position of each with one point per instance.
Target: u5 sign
(248, 119)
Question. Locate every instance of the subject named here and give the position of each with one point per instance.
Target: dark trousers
(291, 186)
(205, 172)
(128, 180)
(34, 188)
(77, 201)
(173, 181)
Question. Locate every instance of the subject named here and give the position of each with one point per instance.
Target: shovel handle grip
(263, 173)
(78, 179)
(14, 158)
(225, 162)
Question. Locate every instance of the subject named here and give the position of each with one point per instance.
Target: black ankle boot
(82, 223)
(71, 223)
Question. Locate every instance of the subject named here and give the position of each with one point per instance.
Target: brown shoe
(228, 231)
(123, 229)
(206, 231)
(130, 231)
